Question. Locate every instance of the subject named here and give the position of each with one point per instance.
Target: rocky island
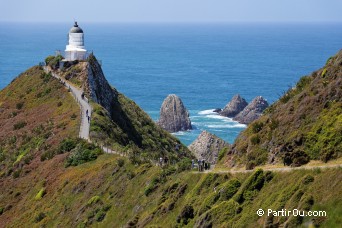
(173, 115)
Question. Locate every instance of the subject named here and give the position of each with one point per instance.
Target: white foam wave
(206, 112)
(226, 126)
(216, 117)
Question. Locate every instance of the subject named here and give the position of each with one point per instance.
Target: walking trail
(84, 107)
(278, 169)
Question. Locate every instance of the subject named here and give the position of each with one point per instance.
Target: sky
(160, 11)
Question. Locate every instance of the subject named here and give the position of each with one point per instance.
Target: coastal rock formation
(173, 115)
(236, 105)
(252, 111)
(207, 146)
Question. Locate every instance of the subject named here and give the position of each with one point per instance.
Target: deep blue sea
(204, 64)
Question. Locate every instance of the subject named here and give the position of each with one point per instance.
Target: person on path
(192, 163)
(160, 161)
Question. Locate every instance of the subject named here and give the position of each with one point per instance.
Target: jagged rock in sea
(252, 111)
(236, 105)
(207, 146)
(173, 115)
(217, 110)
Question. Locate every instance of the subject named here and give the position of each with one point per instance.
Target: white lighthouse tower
(75, 50)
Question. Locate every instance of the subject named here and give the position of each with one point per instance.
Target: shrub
(222, 152)
(257, 126)
(40, 217)
(83, 153)
(307, 179)
(152, 186)
(324, 72)
(228, 190)
(100, 215)
(250, 187)
(120, 162)
(303, 82)
(16, 173)
(47, 155)
(93, 200)
(1, 210)
(274, 124)
(46, 77)
(67, 145)
(184, 164)
(40, 194)
(255, 139)
(19, 105)
(186, 214)
(19, 125)
(73, 116)
(49, 59)
(59, 104)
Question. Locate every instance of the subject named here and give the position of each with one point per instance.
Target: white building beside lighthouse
(75, 50)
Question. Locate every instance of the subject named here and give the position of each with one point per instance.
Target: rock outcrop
(236, 105)
(98, 87)
(207, 146)
(252, 111)
(173, 115)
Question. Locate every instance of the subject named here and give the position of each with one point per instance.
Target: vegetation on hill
(304, 124)
(36, 114)
(113, 192)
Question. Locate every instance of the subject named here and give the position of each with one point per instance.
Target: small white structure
(75, 50)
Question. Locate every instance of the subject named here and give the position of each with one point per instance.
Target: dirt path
(284, 169)
(83, 103)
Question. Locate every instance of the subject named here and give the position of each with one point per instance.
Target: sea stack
(207, 146)
(236, 105)
(173, 115)
(252, 111)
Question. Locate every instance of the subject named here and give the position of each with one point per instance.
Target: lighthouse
(75, 50)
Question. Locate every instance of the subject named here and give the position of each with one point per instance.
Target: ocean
(204, 64)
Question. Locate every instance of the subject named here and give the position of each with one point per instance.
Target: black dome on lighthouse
(76, 29)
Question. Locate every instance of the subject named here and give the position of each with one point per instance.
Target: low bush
(93, 200)
(257, 126)
(84, 152)
(67, 145)
(40, 194)
(120, 162)
(39, 217)
(19, 125)
(229, 189)
(186, 214)
(222, 152)
(19, 105)
(184, 164)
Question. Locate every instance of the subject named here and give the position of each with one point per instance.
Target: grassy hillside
(304, 124)
(113, 192)
(36, 114)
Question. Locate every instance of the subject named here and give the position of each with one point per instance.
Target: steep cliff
(236, 105)
(304, 124)
(173, 115)
(207, 146)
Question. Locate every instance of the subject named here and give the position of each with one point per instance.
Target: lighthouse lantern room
(75, 50)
